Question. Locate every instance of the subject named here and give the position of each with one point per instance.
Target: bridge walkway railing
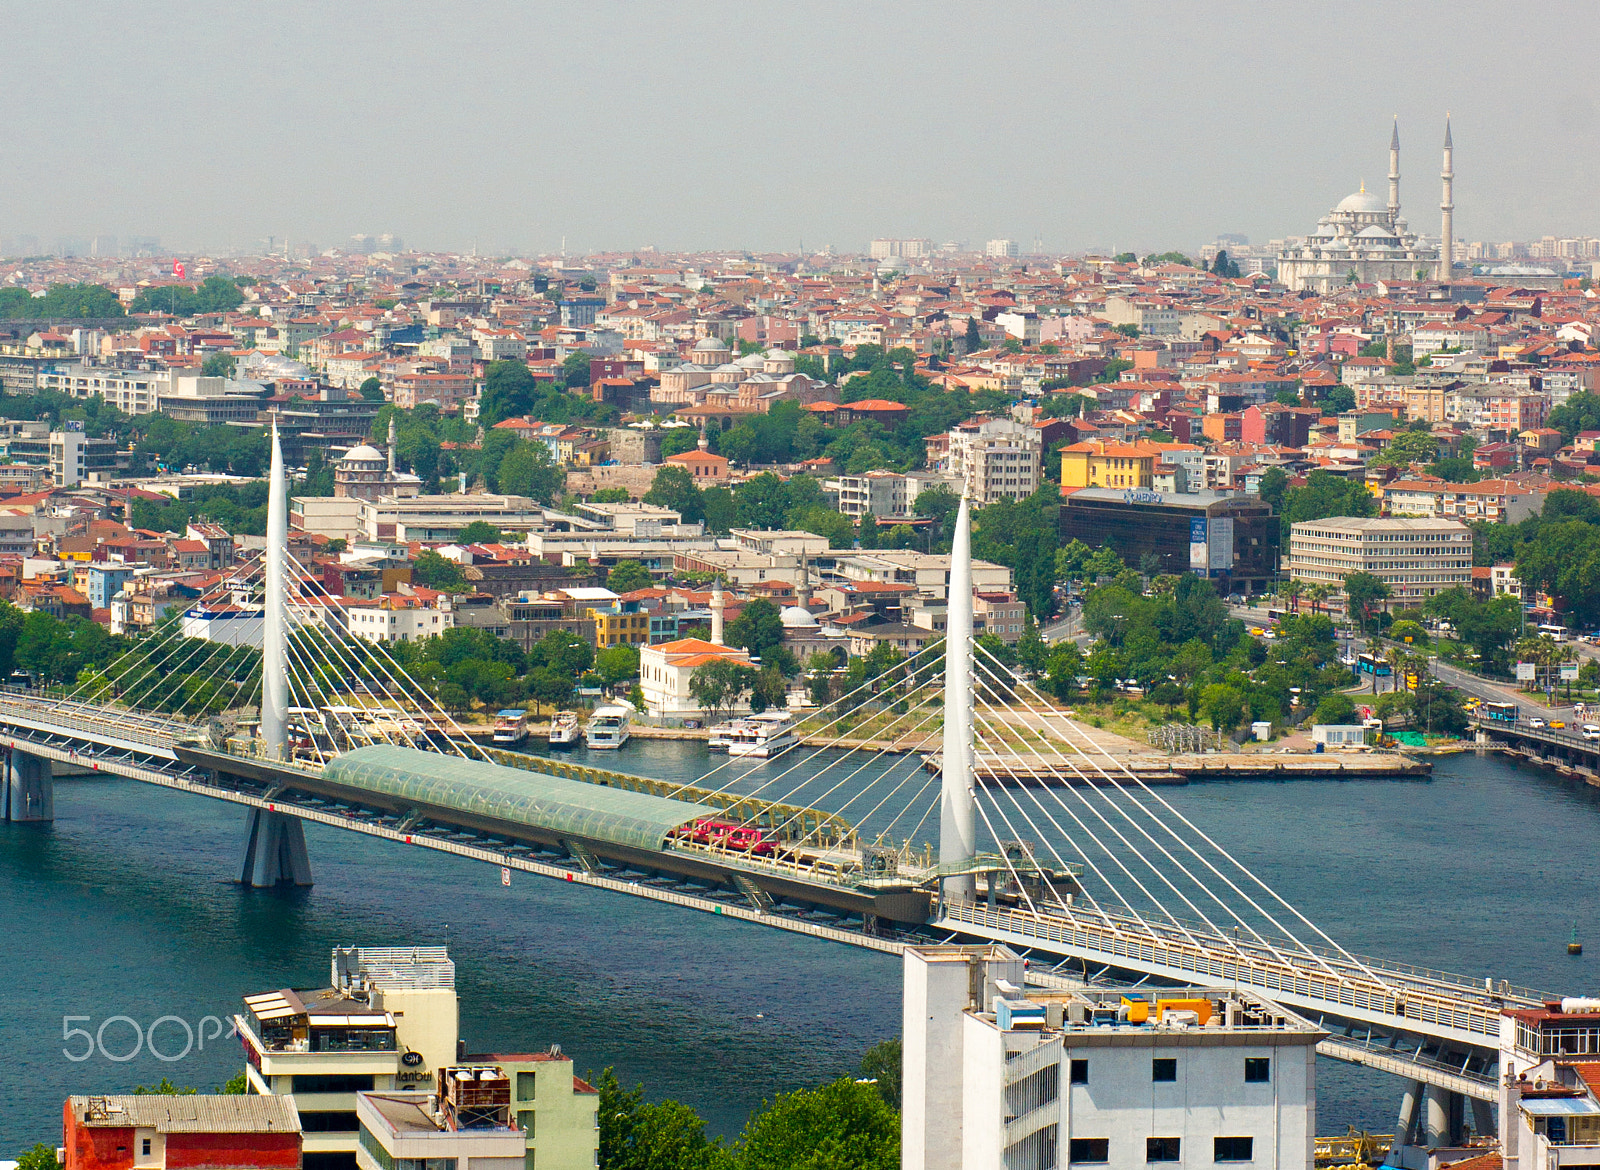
(1132, 943)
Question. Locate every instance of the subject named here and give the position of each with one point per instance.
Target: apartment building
(888, 495)
(1416, 558)
(999, 1074)
(1501, 500)
(998, 458)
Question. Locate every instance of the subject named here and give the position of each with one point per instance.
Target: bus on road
(1373, 664)
(1499, 712)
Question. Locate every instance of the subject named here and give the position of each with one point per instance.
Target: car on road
(1256, 631)
(1590, 731)
(1535, 722)
(1558, 724)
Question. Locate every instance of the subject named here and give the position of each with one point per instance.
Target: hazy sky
(760, 125)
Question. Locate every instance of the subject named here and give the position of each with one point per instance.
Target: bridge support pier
(1407, 1121)
(274, 850)
(29, 792)
(1436, 1117)
(1483, 1119)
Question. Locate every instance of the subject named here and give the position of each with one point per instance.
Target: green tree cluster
(215, 294)
(60, 301)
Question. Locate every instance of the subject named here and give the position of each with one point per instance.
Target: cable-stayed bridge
(1093, 875)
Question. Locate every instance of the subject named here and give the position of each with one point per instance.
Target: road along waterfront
(124, 907)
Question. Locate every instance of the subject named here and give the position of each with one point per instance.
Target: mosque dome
(797, 617)
(1363, 201)
(365, 454)
(710, 344)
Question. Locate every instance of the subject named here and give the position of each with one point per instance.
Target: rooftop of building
(188, 1113)
(1373, 525)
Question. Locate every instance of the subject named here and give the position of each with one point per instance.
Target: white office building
(999, 1076)
(1416, 558)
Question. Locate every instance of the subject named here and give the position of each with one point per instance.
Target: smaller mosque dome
(365, 454)
(797, 617)
(1363, 201)
(707, 344)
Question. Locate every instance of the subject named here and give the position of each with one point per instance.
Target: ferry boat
(608, 727)
(511, 728)
(762, 736)
(564, 729)
(717, 737)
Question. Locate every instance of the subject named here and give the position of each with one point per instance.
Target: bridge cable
(1021, 889)
(1154, 901)
(843, 714)
(1152, 840)
(867, 763)
(1310, 953)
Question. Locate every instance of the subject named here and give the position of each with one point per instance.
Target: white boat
(763, 736)
(608, 727)
(564, 729)
(510, 728)
(717, 737)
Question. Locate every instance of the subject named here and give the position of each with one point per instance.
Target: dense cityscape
(949, 697)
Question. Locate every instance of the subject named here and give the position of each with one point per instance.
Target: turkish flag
(177, 269)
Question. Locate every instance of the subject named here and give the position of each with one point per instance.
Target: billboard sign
(1569, 672)
(1219, 545)
(1199, 549)
(1525, 671)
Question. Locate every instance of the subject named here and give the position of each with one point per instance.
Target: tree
(769, 690)
(372, 390)
(824, 522)
(1362, 592)
(40, 1157)
(758, 628)
(1563, 559)
(1406, 448)
(679, 441)
(218, 365)
(673, 487)
(437, 572)
(868, 531)
(841, 1126)
(614, 495)
(973, 340)
(530, 470)
(478, 532)
(1287, 397)
(1338, 400)
(1224, 267)
(718, 685)
(626, 576)
(508, 392)
(575, 369)
(1580, 412)
(1335, 708)
(882, 1063)
(1223, 706)
(617, 664)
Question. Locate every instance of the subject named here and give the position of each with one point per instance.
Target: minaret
(716, 613)
(1394, 173)
(1447, 208)
(704, 443)
(802, 591)
(391, 446)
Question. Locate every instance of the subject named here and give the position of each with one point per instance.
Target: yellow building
(1098, 463)
(617, 629)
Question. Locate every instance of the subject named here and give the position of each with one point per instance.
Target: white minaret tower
(958, 836)
(1394, 173)
(716, 613)
(1447, 209)
(391, 447)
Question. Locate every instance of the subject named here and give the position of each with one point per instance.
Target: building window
(1233, 1149)
(1164, 1068)
(1257, 1070)
(1079, 1073)
(1091, 1149)
(525, 1120)
(525, 1086)
(1163, 1149)
(144, 1147)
